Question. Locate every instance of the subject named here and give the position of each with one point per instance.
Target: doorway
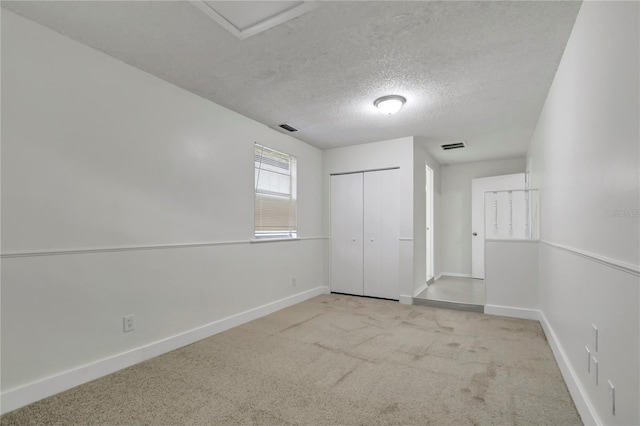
(429, 227)
(445, 291)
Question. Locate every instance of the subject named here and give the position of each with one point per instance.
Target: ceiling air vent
(288, 127)
(456, 145)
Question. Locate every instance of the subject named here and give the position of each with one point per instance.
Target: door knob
(475, 234)
(354, 240)
(372, 240)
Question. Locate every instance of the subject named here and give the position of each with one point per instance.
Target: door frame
(359, 239)
(429, 224)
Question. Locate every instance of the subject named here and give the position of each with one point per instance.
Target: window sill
(273, 240)
(511, 240)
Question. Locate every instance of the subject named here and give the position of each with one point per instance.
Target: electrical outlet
(612, 398)
(294, 282)
(594, 370)
(588, 359)
(594, 338)
(128, 323)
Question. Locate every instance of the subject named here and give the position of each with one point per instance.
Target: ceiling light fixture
(390, 104)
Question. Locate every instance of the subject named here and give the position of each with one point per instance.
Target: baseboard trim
(585, 408)
(509, 311)
(578, 394)
(437, 277)
(26, 394)
(406, 300)
(454, 274)
(420, 289)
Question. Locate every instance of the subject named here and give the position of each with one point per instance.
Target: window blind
(275, 193)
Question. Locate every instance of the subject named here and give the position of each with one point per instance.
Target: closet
(364, 234)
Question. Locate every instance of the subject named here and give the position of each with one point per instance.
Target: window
(275, 194)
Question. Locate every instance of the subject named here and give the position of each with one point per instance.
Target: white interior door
(346, 234)
(478, 188)
(381, 233)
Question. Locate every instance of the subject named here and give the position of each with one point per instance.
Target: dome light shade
(390, 104)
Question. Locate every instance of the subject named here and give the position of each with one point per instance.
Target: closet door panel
(346, 234)
(381, 233)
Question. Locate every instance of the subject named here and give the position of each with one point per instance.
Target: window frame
(278, 234)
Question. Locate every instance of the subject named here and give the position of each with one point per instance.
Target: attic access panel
(246, 18)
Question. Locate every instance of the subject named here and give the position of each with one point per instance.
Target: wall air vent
(456, 145)
(288, 127)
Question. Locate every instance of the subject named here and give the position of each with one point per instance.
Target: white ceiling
(471, 71)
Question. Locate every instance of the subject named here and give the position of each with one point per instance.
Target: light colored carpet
(334, 360)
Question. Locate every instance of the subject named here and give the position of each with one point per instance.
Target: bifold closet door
(346, 234)
(381, 234)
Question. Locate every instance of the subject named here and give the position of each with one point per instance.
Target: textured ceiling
(471, 71)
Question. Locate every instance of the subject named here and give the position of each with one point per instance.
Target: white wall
(99, 156)
(511, 278)
(421, 158)
(584, 157)
(455, 209)
(379, 155)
